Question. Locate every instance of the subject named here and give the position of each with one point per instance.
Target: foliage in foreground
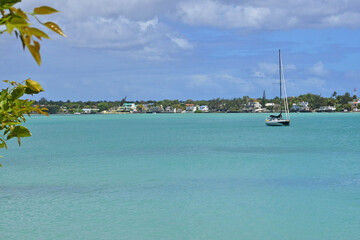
(17, 21)
(12, 108)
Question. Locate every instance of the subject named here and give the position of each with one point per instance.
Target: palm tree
(334, 94)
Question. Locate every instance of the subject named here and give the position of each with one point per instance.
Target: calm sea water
(184, 176)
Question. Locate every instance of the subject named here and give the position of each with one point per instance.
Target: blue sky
(191, 49)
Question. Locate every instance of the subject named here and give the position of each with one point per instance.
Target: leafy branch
(17, 21)
(12, 107)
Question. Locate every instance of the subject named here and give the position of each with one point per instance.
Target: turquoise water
(184, 176)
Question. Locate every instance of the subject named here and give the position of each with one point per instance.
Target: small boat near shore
(278, 120)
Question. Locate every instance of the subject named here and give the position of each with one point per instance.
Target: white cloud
(270, 14)
(136, 24)
(211, 13)
(131, 26)
(258, 14)
(145, 25)
(247, 14)
(318, 69)
(99, 32)
(136, 10)
(350, 19)
(181, 42)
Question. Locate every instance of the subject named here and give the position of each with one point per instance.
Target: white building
(300, 107)
(90, 110)
(251, 107)
(204, 108)
(190, 108)
(327, 108)
(269, 104)
(304, 104)
(254, 105)
(170, 109)
(355, 103)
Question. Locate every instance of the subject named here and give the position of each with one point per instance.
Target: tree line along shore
(302, 103)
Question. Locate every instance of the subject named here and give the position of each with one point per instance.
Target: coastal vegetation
(13, 106)
(241, 104)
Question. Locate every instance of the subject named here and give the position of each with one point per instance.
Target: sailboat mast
(280, 77)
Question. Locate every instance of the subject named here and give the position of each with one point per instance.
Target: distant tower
(355, 92)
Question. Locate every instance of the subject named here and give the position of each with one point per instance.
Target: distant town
(303, 103)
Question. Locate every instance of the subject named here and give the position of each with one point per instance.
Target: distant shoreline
(302, 103)
(137, 113)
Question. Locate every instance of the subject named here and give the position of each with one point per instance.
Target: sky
(190, 49)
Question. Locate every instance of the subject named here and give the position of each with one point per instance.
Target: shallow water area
(183, 176)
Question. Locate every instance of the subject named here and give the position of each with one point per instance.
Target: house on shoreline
(355, 105)
(326, 109)
(90, 110)
(252, 107)
(127, 107)
(300, 107)
(190, 108)
(204, 108)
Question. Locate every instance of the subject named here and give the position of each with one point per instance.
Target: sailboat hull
(277, 123)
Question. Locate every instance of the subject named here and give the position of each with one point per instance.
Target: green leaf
(34, 50)
(27, 40)
(32, 87)
(22, 14)
(17, 93)
(19, 131)
(54, 27)
(6, 4)
(9, 27)
(45, 10)
(5, 19)
(18, 22)
(38, 33)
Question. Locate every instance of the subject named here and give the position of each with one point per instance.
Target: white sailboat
(278, 120)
